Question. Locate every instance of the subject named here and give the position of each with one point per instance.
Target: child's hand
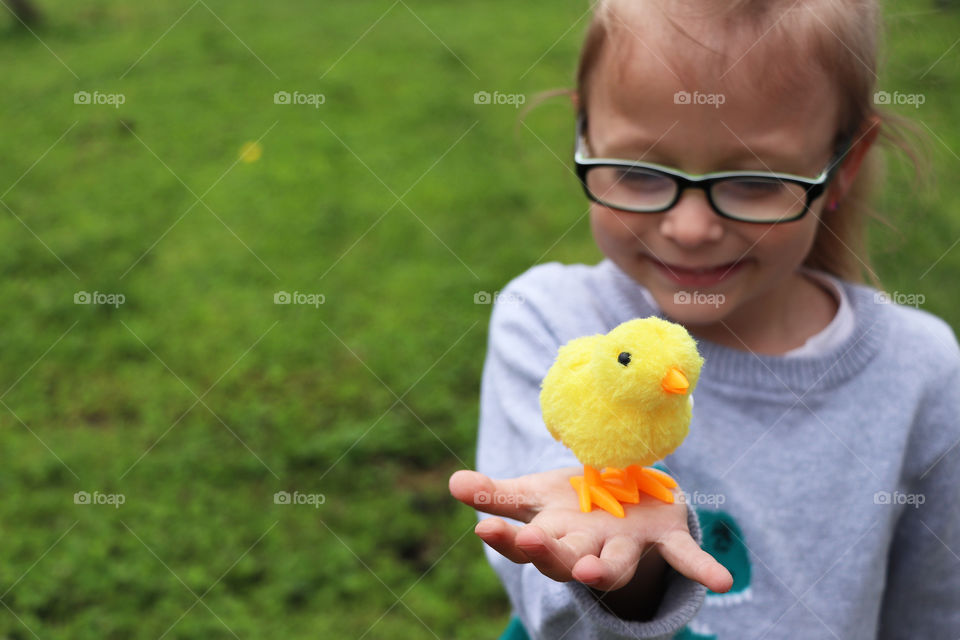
(596, 548)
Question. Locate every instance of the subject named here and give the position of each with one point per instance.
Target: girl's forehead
(705, 107)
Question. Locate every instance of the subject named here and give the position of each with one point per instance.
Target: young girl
(822, 472)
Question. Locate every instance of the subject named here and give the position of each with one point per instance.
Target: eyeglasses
(745, 196)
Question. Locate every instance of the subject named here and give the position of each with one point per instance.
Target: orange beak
(675, 382)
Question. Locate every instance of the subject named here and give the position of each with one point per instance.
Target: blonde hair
(836, 37)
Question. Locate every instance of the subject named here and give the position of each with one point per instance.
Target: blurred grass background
(398, 199)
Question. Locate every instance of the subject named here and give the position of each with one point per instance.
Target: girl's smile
(701, 276)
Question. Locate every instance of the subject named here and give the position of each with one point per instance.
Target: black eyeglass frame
(813, 187)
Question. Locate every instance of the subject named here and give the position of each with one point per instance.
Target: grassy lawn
(397, 199)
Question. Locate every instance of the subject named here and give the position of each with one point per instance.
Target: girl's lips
(706, 276)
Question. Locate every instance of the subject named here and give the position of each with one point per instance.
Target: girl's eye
(624, 358)
(642, 180)
(752, 188)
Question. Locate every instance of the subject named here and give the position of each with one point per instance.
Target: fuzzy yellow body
(623, 398)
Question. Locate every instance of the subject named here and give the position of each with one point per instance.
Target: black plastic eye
(624, 358)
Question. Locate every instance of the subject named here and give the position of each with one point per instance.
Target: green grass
(296, 398)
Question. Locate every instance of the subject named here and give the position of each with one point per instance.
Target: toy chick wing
(620, 402)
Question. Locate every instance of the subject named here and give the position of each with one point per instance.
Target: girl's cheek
(615, 229)
(604, 228)
(784, 242)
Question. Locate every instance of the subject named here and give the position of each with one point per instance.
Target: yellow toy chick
(622, 401)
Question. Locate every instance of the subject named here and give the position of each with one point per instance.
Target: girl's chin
(694, 308)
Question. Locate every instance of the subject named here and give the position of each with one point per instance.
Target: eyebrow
(745, 159)
(645, 150)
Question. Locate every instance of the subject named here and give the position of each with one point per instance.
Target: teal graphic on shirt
(687, 634)
(723, 539)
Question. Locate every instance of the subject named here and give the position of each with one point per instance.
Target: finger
(498, 497)
(554, 559)
(501, 536)
(684, 554)
(615, 566)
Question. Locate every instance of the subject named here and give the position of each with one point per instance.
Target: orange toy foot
(615, 487)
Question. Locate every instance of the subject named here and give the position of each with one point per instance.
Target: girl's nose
(692, 221)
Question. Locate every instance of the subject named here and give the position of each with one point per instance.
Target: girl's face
(704, 270)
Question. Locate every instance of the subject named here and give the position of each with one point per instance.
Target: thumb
(683, 553)
(498, 497)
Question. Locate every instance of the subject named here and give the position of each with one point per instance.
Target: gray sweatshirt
(828, 485)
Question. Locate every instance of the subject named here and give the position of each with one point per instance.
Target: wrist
(640, 598)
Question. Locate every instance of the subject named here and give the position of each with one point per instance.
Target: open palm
(595, 548)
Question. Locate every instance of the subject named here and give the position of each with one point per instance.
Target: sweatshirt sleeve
(513, 441)
(922, 594)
